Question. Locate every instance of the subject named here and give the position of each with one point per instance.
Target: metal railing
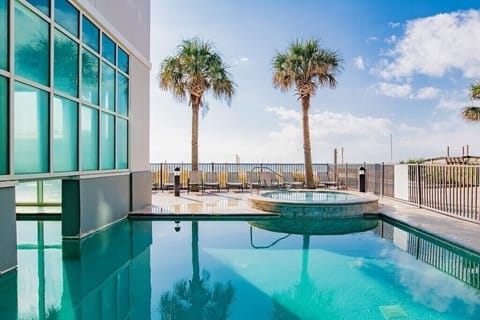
(450, 189)
(160, 171)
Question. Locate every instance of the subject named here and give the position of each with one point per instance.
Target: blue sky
(407, 66)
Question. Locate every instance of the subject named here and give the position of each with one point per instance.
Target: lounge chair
(195, 180)
(268, 180)
(233, 180)
(211, 181)
(169, 183)
(253, 180)
(290, 181)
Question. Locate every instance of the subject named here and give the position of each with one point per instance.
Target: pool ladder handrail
(267, 246)
(261, 170)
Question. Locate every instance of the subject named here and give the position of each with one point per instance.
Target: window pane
(64, 134)
(89, 77)
(122, 143)
(108, 141)
(65, 64)
(89, 138)
(108, 87)
(52, 193)
(108, 48)
(42, 5)
(3, 35)
(67, 16)
(32, 45)
(26, 192)
(3, 126)
(122, 95)
(30, 130)
(122, 60)
(90, 34)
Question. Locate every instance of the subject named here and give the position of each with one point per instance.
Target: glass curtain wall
(3, 34)
(70, 107)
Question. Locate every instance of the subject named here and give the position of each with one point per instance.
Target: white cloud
(435, 45)
(391, 39)
(426, 93)
(392, 90)
(240, 60)
(450, 104)
(358, 63)
(394, 24)
(371, 39)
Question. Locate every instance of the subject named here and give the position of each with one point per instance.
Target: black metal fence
(379, 177)
(450, 189)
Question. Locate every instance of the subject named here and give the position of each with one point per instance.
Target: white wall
(401, 181)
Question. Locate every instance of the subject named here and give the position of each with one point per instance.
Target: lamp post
(177, 181)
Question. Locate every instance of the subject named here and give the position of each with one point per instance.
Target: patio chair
(253, 180)
(290, 181)
(233, 180)
(211, 181)
(169, 183)
(268, 180)
(195, 181)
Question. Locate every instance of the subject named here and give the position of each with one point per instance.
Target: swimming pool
(233, 270)
(317, 204)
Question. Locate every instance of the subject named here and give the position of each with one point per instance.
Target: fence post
(419, 192)
(161, 176)
(382, 181)
(346, 173)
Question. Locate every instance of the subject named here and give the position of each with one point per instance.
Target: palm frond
(471, 113)
(195, 69)
(475, 90)
(307, 65)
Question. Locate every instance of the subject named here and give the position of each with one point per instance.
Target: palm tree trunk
(195, 109)
(195, 284)
(306, 248)
(307, 151)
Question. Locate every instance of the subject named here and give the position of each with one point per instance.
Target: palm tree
(473, 113)
(194, 70)
(306, 66)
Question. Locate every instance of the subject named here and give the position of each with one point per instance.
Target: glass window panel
(3, 34)
(52, 193)
(30, 137)
(42, 5)
(108, 48)
(89, 138)
(65, 121)
(122, 143)
(3, 126)
(26, 192)
(89, 77)
(90, 34)
(32, 45)
(122, 95)
(67, 16)
(122, 60)
(65, 64)
(108, 141)
(108, 87)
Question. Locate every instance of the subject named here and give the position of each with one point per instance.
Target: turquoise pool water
(232, 270)
(309, 196)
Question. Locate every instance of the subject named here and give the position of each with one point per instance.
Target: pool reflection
(104, 276)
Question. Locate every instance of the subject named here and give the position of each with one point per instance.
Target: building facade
(74, 106)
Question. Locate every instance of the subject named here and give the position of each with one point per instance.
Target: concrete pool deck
(234, 205)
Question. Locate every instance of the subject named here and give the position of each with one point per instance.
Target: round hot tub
(324, 204)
